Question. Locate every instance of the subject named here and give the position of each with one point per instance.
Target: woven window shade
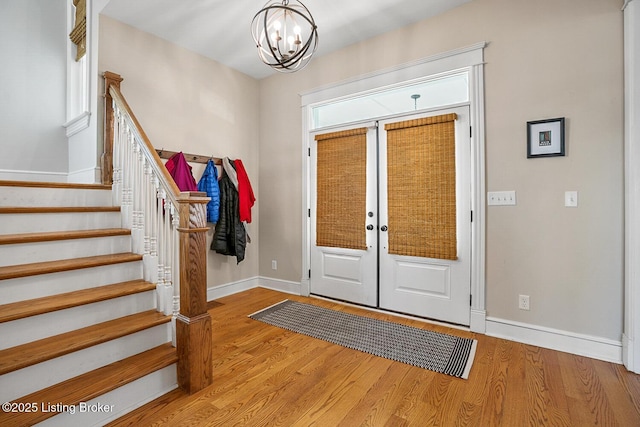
(341, 189)
(422, 187)
(79, 33)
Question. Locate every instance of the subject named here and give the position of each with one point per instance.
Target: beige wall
(545, 59)
(188, 103)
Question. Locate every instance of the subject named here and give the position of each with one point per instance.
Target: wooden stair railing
(188, 213)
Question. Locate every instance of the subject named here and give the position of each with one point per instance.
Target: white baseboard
(281, 285)
(219, 291)
(86, 176)
(37, 176)
(555, 339)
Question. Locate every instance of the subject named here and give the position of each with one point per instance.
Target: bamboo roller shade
(422, 187)
(341, 193)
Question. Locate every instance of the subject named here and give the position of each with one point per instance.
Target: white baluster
(168, 257)
(162, 219)
(176, 276)
(116, 188)
(126, 180)
(154, 218)
(135, 195)
(175, 257)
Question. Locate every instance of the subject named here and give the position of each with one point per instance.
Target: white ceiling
(220, 29)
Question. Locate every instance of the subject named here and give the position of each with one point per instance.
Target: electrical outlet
(274, 264)
(523, 302)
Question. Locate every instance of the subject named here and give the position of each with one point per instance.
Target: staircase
(81, 341)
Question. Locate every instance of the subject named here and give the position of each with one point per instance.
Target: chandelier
(285, 34)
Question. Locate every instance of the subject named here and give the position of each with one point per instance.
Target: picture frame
(545, 138)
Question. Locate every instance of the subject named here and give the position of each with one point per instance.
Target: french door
(390, 215)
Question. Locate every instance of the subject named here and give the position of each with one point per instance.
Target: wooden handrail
(193, 322)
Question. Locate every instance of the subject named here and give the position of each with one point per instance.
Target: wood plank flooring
(266, 376)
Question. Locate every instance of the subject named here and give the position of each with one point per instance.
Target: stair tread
(61, 235)
(35, 352)
(32, 269)
(48, 184)
(56, 209)
(34, 307)
(93, 384)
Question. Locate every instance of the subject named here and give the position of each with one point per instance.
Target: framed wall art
(545, 138)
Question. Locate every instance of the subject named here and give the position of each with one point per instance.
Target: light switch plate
(501, 198)
(571, 199)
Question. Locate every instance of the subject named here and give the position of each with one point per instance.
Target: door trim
(471, 60)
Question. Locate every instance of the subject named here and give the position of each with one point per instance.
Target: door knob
(384, 228)
(369, 227)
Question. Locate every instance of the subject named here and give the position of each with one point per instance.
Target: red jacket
(246, 199)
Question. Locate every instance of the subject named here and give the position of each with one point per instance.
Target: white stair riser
(121, 401)
(24, 253)
(28, 380)
(43, 222)
(38, 196)
(33, 328)
(24, 288)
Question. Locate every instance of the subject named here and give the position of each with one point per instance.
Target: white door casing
(469, 59)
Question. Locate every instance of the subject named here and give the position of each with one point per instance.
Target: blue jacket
(209, 184)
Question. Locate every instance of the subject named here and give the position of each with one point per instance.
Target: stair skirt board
(18, 253)
(34, 328)
(25, 288)
(33, 378)
(120, 401)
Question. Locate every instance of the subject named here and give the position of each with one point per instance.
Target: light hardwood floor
(266, 376)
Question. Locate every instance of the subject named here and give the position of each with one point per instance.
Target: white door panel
(343, 273)
(420, 277)
(428, 287)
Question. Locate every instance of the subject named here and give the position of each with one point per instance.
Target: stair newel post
(110, 79)
(193, 323)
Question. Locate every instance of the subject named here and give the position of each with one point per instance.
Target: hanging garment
(230, 236)
(209, 184)
(229, 167)
(246, 199)
(180, 170)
